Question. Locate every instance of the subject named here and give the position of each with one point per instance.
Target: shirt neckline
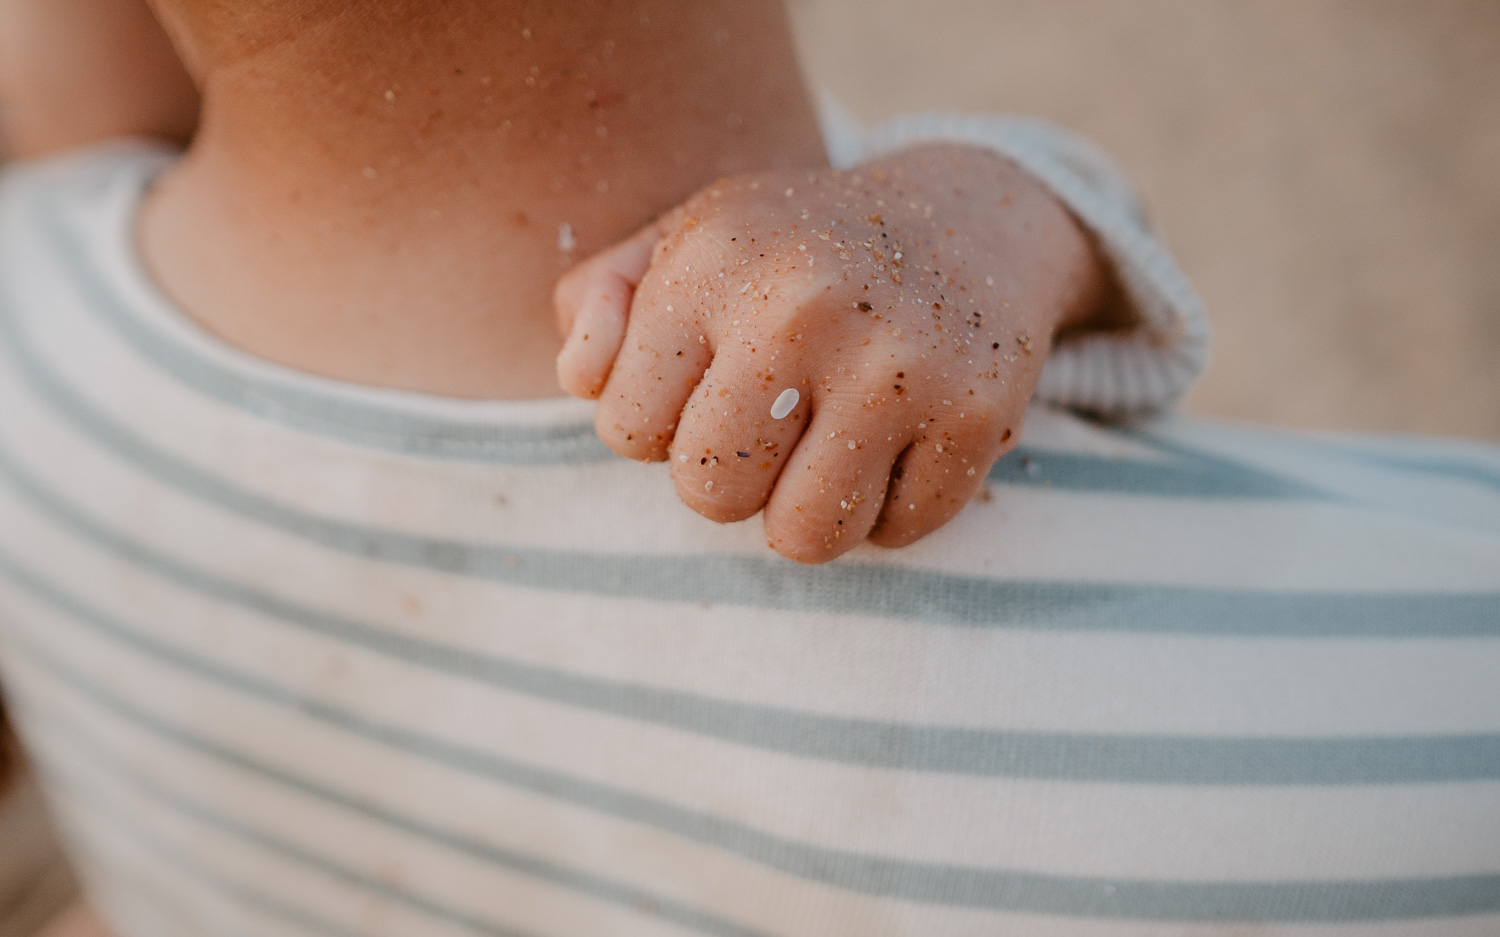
(157, 310)
(99, 231)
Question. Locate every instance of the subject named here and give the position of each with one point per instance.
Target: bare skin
(378, 195)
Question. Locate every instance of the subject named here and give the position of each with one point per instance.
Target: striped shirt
(301, 658)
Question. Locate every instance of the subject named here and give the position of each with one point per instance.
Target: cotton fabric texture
(297, 657)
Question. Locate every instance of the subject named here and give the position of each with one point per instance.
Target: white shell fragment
(785, 403)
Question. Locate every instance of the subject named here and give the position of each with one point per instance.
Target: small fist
(851, 351)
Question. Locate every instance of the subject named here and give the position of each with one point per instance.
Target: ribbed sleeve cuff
(1145, 367)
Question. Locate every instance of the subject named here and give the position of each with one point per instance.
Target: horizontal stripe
(1328, 901)
(1165, 759)
(1287, 547)
(1187, 833)
(597, 887)
(1451, 468)
(766, 582)
(190, 866)
(875, 591)
(1327, 460)
(116, 765)
(1184, 475)
(134, 891)
(914, 881)
(1375, 831)
(871, 669)
(1065, 756)
(96, 763)
(975, 924)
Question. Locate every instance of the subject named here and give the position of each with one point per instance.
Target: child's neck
(398, 218)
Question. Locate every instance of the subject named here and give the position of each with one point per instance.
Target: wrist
(1076, 290)
(1052, 264)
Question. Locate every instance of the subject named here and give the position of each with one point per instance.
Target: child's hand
(902, 310)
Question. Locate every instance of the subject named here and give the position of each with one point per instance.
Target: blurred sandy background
(1327, 171)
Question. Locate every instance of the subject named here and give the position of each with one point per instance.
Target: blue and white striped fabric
(301, 658)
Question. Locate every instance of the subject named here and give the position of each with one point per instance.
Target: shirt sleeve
(1145, 366)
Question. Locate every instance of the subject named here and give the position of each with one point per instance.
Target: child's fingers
(661, 361)
(831, 491)
(736, 435)
(592, 302)
(937, 475)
